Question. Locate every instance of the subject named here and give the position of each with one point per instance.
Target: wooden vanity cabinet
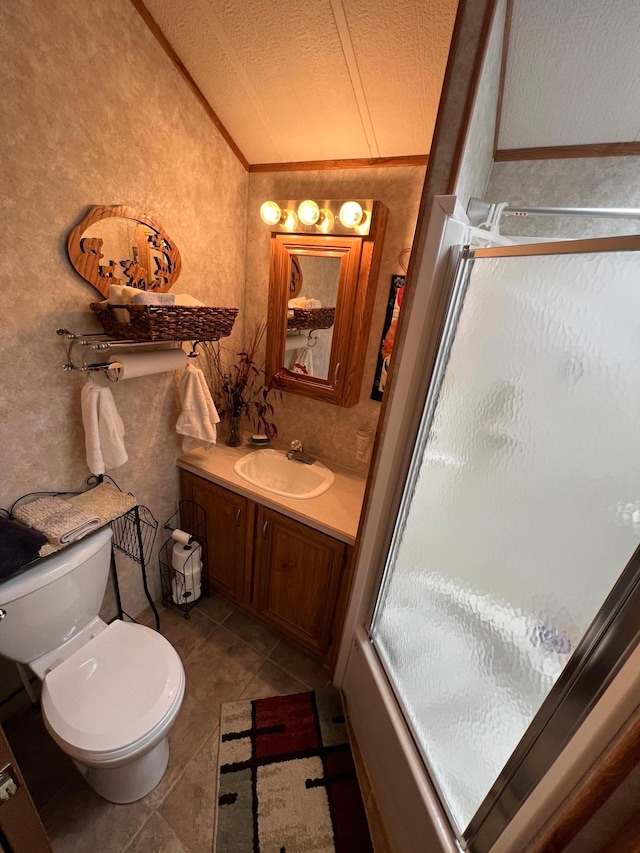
(289, 575)
(297, 579)
(230, 522)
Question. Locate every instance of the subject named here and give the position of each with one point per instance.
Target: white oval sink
(272, 471)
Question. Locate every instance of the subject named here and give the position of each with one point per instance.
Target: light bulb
(365, 223)
(308, 212)
(270, 213)
(289, 219)
(325, 221)
(350, 214)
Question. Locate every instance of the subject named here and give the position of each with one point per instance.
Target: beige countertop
(336, 512)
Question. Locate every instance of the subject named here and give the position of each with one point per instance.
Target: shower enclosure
(506, 604)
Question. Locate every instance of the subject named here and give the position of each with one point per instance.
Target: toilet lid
(114, 690)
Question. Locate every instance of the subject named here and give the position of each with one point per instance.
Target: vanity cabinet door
(229, 536)
(297, 579)
(21, 829)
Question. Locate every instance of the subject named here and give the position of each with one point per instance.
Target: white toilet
(110, 693)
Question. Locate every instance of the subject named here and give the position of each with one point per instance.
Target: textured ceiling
(572, 76)
(316, 79)
(339, 79)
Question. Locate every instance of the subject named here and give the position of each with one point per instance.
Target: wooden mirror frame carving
(359, 268)
(85, 257)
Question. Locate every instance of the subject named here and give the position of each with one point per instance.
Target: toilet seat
(115, 695)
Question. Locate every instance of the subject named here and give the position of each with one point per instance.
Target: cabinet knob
(238, 516)
(335, 374)
(265, 528)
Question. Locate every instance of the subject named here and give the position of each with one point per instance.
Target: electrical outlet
(364, 442)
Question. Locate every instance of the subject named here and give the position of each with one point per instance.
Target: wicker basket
(311, 318)
(166, 322)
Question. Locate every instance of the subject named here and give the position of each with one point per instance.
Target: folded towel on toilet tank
(105, 500)
(57, 519)
(19, 545)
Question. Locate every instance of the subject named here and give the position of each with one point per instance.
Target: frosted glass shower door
(522, 506)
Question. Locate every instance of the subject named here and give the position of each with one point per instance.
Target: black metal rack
(178, 589)
(134, 535)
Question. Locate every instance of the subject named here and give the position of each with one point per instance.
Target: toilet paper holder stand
(180, 588)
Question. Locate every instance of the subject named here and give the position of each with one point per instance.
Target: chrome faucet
(297, 454)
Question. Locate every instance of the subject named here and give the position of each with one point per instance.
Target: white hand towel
(103, 429)
(301, 361)
(197, 422)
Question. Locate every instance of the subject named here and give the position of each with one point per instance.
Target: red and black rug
(287, 779)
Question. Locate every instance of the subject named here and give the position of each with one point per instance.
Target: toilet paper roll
(132, 365)
(186, 559)
(181, 536)
(186, 589)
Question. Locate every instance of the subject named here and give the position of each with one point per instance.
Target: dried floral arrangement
(238, 384)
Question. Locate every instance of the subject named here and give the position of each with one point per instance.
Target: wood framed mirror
(321, 294)
(114, 244)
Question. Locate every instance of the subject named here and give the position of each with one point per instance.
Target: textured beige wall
(330, 431)
(95, 113)
(587, 182)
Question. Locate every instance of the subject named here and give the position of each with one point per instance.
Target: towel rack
(99, 342)
(311, 340)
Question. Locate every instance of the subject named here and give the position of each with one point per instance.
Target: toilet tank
(52, 601)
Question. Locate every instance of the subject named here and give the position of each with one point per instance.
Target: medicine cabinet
(321, 295)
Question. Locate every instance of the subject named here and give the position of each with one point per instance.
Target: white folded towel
(187, 299)
(148, 297)
(121, 294)
(197, 422)
(103, 429)
(304, 303)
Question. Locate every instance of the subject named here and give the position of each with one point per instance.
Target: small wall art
(388, 336)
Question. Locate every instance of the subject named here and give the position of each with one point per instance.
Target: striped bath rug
(287, 781)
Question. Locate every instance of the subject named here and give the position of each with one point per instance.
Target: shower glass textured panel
(521, 511)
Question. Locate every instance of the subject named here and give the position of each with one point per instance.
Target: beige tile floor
(227, 656)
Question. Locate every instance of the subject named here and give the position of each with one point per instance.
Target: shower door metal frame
(607, 642)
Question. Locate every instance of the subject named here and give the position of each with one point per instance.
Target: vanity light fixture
(324, 216)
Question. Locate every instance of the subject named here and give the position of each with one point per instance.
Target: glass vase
(234, 437)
